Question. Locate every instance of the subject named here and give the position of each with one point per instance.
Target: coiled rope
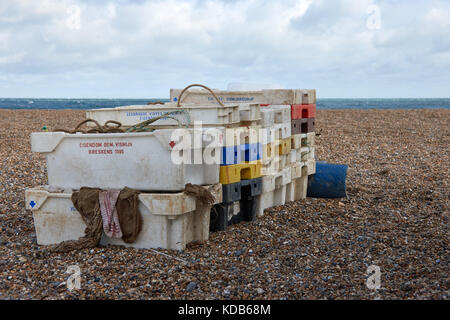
(198, 85)
(139, 127)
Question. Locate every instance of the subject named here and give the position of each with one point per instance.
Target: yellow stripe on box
(243, 171)
(284, 147)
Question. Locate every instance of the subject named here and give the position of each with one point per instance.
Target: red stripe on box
(302, 111)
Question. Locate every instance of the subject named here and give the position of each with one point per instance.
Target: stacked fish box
(251, 153)
(303, 114)
(287, 136)
(169, 220)
(276, 156)
(240, 153)
(207, 115)
(240, 171)
(158, 163)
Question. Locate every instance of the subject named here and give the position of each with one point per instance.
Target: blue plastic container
(230, 156)
(329, 181)
(251, 152)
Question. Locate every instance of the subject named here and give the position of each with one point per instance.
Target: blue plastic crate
(230, 156)
(251, 151)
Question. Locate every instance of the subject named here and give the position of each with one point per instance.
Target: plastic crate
(238, 172)
(157, 161)
(299, 111)
(208, 114)
(170, 221)
(300, 126)
(269, 97)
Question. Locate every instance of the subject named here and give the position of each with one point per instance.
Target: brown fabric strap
(200, 193)
(129, 216)
(87, 203)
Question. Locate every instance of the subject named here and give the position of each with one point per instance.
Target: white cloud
(142, 48)
(14, 58)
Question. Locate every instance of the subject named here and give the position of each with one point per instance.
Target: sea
(32, 103)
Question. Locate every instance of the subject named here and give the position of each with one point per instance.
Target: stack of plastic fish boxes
(303, 144)
(290, 158)
(276, 159)
(159, 164)
(240, 171)
(287, 136)
(231, 127)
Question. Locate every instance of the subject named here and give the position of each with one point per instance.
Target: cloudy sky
(140, 49)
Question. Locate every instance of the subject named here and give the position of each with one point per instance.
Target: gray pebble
(191, 286)
(238, 253)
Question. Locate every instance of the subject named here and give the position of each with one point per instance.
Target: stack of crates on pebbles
(240, 171)
(285, 144)
(158, 163)
(250, 150)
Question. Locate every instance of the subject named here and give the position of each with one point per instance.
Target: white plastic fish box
(246, 134)
(303, 140)
(273, 190)
(272, 96)
(156, 161)
(249, 112)
(282, 113)
(208, 114)
(309, 167)
(170, 221)
(275, 165)
(296, 189)
(267, 117)
(307, 153)
(302, 154)
(275, 114)
(282, 130)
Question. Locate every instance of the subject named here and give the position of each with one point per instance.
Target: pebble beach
(396, 217)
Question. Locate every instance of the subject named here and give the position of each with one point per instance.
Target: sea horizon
(322, 103)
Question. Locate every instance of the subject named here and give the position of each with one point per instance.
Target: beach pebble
(395, 218)
(191, 286)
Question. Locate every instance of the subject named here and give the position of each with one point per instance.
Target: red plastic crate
(302, 111)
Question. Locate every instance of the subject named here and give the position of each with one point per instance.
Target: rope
(200, 193)
(117, 128)
(99, 129)
(198, 85)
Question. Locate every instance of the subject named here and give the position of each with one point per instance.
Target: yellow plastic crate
(284, 146)
(243, 171)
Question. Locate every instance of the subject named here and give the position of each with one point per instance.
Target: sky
(141, 49)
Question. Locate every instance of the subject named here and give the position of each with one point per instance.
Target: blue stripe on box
(230, 156)
(251, 151)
